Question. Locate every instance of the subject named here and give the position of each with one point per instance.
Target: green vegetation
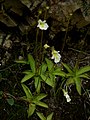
(37, 81)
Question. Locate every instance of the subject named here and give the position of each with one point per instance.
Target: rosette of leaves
(53, 71)
(33, 100)
(44, 73)
(75, 75)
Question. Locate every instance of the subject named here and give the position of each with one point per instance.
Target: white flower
(20, 58)
(47, 7)
(70, 14)
(68, 99)
(56, 56)
(67, 96)
(42, 25)
(46, 46)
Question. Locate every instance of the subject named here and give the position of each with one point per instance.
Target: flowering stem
(60, 88)
(64, 41)
(45, 14)
(41, 53)
(36, 46)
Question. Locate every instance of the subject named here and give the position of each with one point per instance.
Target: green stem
(41, 53)
(36, 43)
(65, 41)
(60, 86)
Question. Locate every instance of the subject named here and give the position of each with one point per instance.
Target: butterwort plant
(45, 73)
(75, 75)
(33, 100)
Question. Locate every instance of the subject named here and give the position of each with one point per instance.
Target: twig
(79, 51)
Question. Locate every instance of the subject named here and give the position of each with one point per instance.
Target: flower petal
(46, 46)
(68, 99)
(56, 56)
(42, 24)
(52, 57)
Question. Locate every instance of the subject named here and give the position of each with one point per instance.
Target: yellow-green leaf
(67, 67)
(31, 109)
(49, 64)
(10, 101)
(27, 72)
(83, 70)
(43, 68)
(86, 76)
(39, 103)
(49, 117)
(27, 91)
(69, 81)
(31, 62)
(41, 116)
(27, 77)
(59, 73)
(78, 84)
(47, 80)
(37, 84)
(41, 96)
(21, 61)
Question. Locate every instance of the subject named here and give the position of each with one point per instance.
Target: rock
(24, 13)
(86, 10)
(68, 13)
(15, 6)
(62, 10)
(27, 3)
(79, 20)
(4, 18)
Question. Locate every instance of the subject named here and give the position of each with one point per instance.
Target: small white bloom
(40, 11)
(56, 56)
(67, 96)
(71, 14)
(46, 46)
(47, 7)
(68, 99)
(42, 25)
(20, 58)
